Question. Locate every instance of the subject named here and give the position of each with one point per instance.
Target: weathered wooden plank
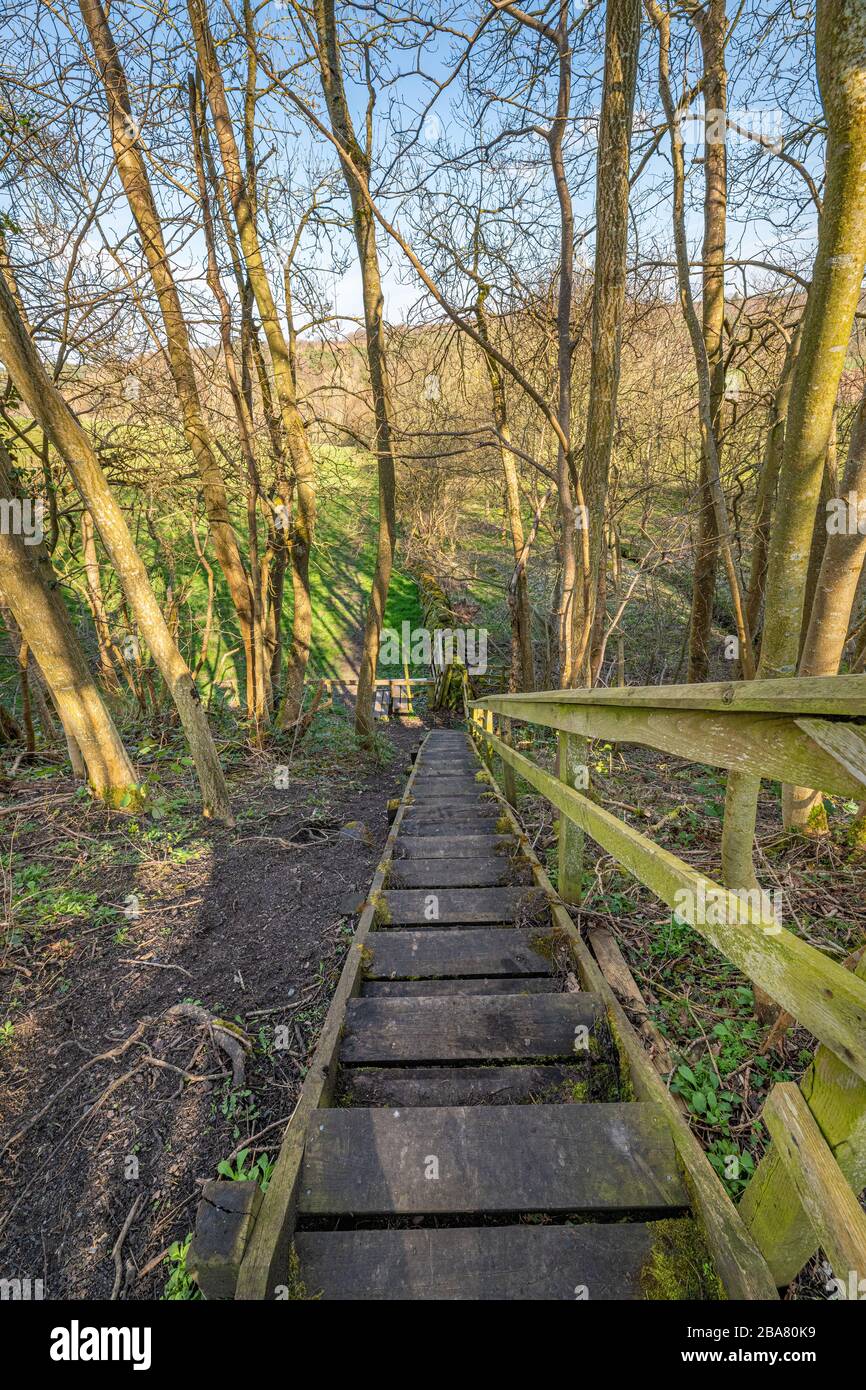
(451, 820)
(451, 846)
(476, 984)
(748, 742)
(443, 818)
(794, 695)
(846, 743)
(815, 990)
(409, 906)
(521, 1158)
(738, 1261)
(519, 1263)
(827, 1197)
(452, 767)
(437, 1086)
(481, 1028)
(419, 954)
(494, 870)
(572, 768)
(769, 1206)
(624, 986)
(448, 788)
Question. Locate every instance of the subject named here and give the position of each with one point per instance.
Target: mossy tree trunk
(622, 40)
(55, 418)
(522, 659)
(293, 428)
(835, 592)
(673, 115)
(131, 167)
(356, 172)
(710, 21)
(30, 588)
(840, 43)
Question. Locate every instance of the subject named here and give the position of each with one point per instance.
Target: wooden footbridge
(480, 1119)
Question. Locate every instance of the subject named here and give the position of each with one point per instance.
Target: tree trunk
(139, 195)
(840, 40)
(294, 430)
(774, 442)
(708, 440)
(56, 419)
(711, 24)
(30, 588)
(573, 519)
(356, 170)
(835, 592)
(96, 602)
(522, 660)
(262, 693)
(622, 40)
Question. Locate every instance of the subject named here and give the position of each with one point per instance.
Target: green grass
(341, 570)
(342, 564)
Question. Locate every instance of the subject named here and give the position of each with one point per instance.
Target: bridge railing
(808, 732)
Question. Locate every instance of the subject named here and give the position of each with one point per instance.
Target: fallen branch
(118, 1246)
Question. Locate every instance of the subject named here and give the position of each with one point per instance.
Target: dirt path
(249, 924)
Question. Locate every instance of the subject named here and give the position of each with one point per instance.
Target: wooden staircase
(481, 1142)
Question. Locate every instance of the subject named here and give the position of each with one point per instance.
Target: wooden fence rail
(809, 732)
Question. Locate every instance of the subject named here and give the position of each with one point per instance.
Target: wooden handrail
(831, 695)
(821, 994)
(801, 731)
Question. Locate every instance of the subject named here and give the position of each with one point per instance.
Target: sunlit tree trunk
(702, 366)
(133, 173)
(622, 40)
(710, 21)
(522, 662)
(243, 413)
(356, 172)
(294, 431)
(573, 519)
(771, 462)
(835, 592)
(29, 587)
(840, 41)
(55, 418)
(96, 601)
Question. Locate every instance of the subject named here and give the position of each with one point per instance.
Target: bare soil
(114, 1108)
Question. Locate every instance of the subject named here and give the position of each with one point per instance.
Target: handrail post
(509, 781)
(573, 771)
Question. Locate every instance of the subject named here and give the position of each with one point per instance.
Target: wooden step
(445, 817)
(408, 906)
(484, 1263)
(447, 767)
(452, 772)
(451, 791)
(416, 955)
(491, 871)
(451, 846)
(497, 984)
(437, 1086)
(482, 1028)
(487, 1158)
